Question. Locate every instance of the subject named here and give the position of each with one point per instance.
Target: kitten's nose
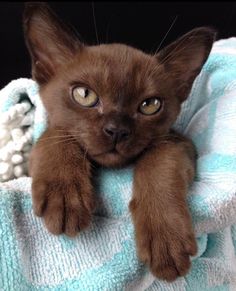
(116, 133)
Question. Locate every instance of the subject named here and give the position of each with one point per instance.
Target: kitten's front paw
(164, 246)
(65, 208)
(167, 254)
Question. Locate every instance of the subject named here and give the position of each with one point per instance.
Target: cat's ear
(184, 58)
(50, 43)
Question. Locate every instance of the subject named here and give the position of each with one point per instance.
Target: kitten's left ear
(184, 58)
(50, 42)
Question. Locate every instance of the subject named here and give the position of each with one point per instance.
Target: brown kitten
(112, 104)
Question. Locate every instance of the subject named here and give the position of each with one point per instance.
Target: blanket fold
(104, 257)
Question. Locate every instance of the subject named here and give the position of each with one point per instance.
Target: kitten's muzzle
(117, 133)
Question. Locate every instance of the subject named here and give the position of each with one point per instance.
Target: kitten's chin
(111, 159)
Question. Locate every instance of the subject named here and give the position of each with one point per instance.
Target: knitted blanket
(103, 257)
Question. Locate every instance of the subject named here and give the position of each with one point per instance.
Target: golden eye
(150, 106)
(85, 96)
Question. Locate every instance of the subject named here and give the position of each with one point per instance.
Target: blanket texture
(103, 257)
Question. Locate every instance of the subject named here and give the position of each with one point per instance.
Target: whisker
(57, 136)
(45, 144)
(67, 130)
(176, 50)
(165, 36)
(107, 31)
(47, 147)
(95, 24)
(179, 48)
(71, 142)
(85, 156)
(163, 39)
(172, 54)
(76, 33)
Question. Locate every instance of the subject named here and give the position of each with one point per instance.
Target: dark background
(140, 24)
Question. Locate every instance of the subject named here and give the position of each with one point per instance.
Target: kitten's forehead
(120, 51)
(112, 56)
(115, 67)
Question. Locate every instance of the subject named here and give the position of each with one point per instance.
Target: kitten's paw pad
(167, 253)
(62, 207)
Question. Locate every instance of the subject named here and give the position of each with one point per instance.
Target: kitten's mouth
(112, 158)
(113, 151)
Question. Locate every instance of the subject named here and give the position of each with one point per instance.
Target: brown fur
(122, 77)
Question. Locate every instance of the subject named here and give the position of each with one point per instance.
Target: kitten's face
(120, 79)
(114, 99)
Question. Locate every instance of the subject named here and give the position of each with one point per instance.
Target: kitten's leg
(164, 233)
(61, 188)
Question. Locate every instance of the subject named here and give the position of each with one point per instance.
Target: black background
(140, 24)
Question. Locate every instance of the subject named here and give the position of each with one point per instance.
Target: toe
(54, 214)
(39, 188)
(191, 245)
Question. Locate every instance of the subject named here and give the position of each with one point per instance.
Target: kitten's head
(114, 99)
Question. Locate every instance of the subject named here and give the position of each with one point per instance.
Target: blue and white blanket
(103, 257)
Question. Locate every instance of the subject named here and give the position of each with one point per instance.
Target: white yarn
(15, 140)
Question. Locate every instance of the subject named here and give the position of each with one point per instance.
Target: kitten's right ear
(50, 43)
(184, 58)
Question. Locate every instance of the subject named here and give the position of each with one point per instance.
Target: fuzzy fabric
(104, 257)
